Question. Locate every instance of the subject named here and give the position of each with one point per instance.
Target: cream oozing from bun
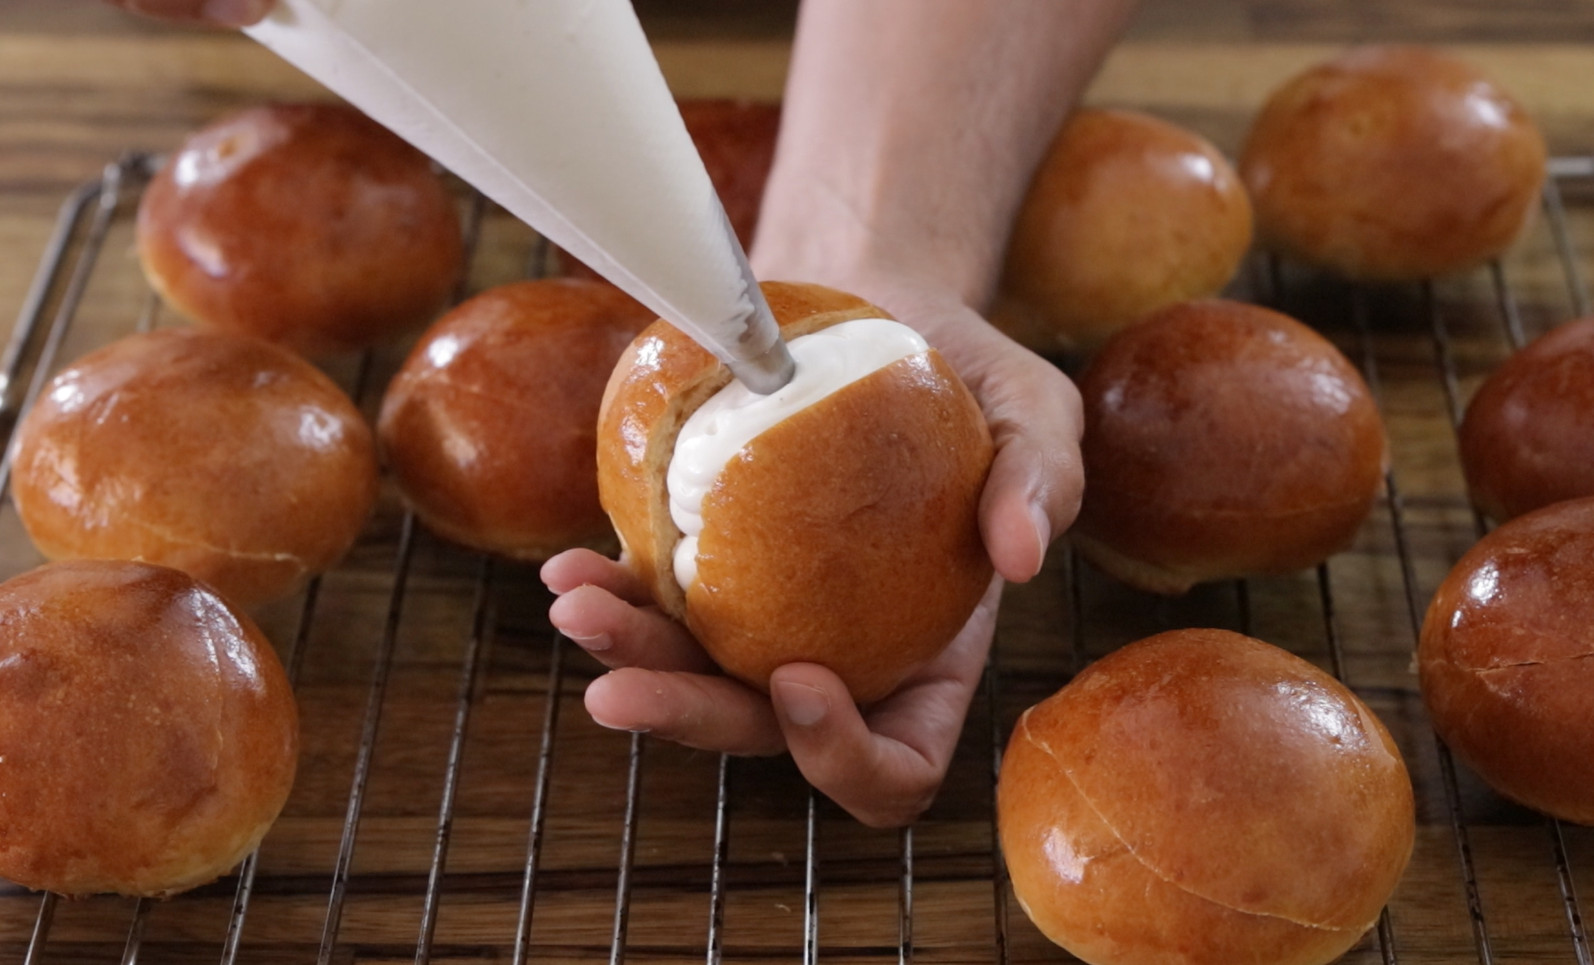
(827, 361)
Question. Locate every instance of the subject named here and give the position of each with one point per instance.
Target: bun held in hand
(1126, 214)
(224, 456)
(1223, 440)
(1203, 798)
(842, 531)
(1392, 163)
(306, 224)
(490, 426)
(148, 735)
(1527, 439)
(1506, 659)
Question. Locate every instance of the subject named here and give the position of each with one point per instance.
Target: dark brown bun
(1223, 440)
(306, 224)
(736, 140)
(148, 733)
(1204, 798)
(1505, 663)
(846, 535)
(1126, 214)
(490, 426)
(1392, 163)
(1528, 436)
(224, 456)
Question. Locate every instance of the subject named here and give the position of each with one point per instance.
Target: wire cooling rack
(454, 803)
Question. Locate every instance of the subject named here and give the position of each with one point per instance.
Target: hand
(884, 763)
(899, 170)
(215, 13)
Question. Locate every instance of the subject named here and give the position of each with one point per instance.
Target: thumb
(1030, 498)
(880, 782)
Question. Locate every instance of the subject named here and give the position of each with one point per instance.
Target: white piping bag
(556, 110)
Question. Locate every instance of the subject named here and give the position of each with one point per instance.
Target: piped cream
(827, 360)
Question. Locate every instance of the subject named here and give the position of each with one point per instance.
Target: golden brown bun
(1528, 436)
(1223, 440)
(1392, 163)
(224, 456)
(490, 427)
(736, 140)
(1203, 798)
(147, 731)
(306, 224)
(1505, 659)
(1126, 214)
(846, 535)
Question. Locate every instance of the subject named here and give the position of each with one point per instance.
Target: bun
(490, 426)
(845, 535)
(306, 224)
(1126, 214)
(1526, 437)
(1392, 163)
(1504, 659)
(736, 140)
(1204, 798)
(148, 731)
(223, 456)
(1223, 440)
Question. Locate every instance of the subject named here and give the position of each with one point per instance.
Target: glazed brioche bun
(1392, 163)
(736, 140)
(306, 224)
(1203, 798)
(846, 535)
(148, 732)
(224, 456)
(1527, 439)
(490, 426)
(1504, 659)
(1223, 440)
(1126, 214)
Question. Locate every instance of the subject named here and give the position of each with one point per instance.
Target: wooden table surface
(424, 672)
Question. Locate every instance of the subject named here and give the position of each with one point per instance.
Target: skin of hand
(910, 131)
(214, 13)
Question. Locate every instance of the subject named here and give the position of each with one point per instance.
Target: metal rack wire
(31, 356)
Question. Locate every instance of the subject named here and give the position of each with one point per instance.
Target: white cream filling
(827, 361)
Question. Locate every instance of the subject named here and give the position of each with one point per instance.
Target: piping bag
(557, 111)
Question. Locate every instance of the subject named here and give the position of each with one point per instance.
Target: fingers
(572, 568)
(709, 713)
(609, 613)
(619, 634)
(885, 765)
(1031, 497)
(884, 768)
(1036, 482)
(218, 13)
(881, 782)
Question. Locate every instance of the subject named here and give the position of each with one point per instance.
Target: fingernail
(1042, 524)
(802, 705)
(1043, 533)
(235, 13)
(594, 644)
(638, 729)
